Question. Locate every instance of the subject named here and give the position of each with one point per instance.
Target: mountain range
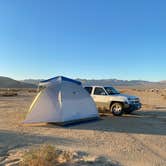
(6, 82)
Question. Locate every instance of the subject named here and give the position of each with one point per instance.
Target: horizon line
(85, 79)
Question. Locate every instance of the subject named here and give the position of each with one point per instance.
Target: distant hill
(124, 83)
(32, 81)
(6, 82)
(113, 82)
(164, 81)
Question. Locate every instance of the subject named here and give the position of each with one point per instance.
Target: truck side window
(99, 91)
(88, 89)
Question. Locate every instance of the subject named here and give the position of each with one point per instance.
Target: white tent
(61, 100)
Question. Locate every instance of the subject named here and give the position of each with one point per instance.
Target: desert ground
(138, 139)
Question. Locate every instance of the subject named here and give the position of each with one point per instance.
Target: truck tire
(116, 109)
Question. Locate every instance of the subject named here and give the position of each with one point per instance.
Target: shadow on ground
(142, 122)
(10, 140)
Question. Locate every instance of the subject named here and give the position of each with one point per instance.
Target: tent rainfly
(61, 100)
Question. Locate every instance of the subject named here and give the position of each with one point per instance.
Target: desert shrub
(45, 155)
(134, 89)
(9, 94)
(32, 90)
(140, 90)
(123, 91)
(15, 90)
(10, 89)
(164, 97)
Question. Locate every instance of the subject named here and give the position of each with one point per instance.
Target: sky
(93, 39)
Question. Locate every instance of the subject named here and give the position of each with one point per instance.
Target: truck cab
(109, 99)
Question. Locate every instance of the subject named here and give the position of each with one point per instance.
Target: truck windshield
(111, 90)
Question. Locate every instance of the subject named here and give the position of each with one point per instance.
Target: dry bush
(32, 90)
(45, 155)
(134, 89)
(10, 89)
(164, 97)
(15, 89)
(123, 91)
(8, 94)
(140, 90)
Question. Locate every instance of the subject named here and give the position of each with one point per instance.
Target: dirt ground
(137, 139)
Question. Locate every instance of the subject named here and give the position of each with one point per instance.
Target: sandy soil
(137, 139)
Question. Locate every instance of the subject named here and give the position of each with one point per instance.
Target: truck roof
(97, 86)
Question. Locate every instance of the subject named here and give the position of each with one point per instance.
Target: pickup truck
(109, 99)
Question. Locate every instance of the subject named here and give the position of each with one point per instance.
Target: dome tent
(61, 100)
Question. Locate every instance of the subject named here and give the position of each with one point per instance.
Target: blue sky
(83, 39)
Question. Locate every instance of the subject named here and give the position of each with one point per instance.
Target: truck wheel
(116, 109)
